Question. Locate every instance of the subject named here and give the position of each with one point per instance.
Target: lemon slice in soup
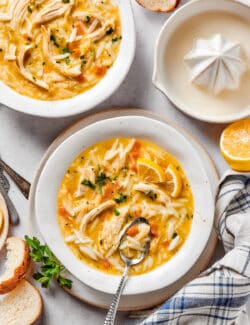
(149, 171)
(173, 181)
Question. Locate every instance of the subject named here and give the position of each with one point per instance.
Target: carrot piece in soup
(108, 191)
(105, 263)
(133, 231)
(80, 78)
(154, 230)
(63, 212)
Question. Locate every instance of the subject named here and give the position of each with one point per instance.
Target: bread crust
(31, 290)
(40, 303)
(20, 270)
(5, 227)
(142, 3)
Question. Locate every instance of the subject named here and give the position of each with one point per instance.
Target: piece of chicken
(87, 173)
(8, 16)
(48, 53)
(111, 232)
(24, 72)
(161, 196)
(10, 53)
(91, 215)
(19, 14)
(52, 10)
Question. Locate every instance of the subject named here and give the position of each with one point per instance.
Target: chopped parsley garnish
(1, 50)
(88, 18)
(88, 183)
(116, 212)
(67, 60)
(122, 198)
(151, 194)
(81, 57)
(101, 181)
(34, 78)
(43, 63)
(128, 218)
(174, 235)
(101, 242)
(29, 9)
(116, 38)
(66, 1)
(110, 31)
(92, 53)
(53, 39)
(66, 50)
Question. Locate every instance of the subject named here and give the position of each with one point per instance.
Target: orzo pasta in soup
(109, 185)
(56, 49)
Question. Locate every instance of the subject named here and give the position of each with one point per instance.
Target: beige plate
(129, 302)
(5, 227)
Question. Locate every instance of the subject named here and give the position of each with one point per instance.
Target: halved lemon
(235, 145)
(173, 181)
(149, 171)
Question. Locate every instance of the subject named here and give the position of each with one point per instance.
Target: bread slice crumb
(159, 5)
(16, 264)
(21, 306)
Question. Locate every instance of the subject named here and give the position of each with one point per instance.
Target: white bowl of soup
(62, 57)
(107, 174)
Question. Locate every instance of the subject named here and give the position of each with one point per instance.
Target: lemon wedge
(235, 145)
(149, 171)
(173, 181)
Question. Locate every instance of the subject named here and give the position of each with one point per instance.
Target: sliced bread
(16, 264)
(4, 221)
(21, 306)
(159, 5)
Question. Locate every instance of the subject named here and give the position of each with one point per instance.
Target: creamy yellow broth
(106, 173)
(56, 49)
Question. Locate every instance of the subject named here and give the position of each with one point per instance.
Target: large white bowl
(162, 134)
(89, 99)
(160, 74)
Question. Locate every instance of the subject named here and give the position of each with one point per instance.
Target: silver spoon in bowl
(110, 318)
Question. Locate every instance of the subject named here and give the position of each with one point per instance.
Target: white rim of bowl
(156, 79)
(91, 98)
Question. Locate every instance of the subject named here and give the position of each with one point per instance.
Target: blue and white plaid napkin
(219, 295)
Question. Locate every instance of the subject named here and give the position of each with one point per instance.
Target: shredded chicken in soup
(56, 49)
(109, 185)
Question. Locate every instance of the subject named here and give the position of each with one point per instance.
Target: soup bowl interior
(90, 98)
(173, 141)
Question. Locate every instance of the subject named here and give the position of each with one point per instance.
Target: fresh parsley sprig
(51, 268)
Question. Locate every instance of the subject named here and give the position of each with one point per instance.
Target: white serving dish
(164, 135)
(89, 99)
(160, 75)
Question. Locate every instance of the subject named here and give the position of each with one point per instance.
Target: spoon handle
(13, 214)
(23, 185)
(110, 318)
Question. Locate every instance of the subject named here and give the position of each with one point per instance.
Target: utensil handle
(110, 318)
(13, 214)
(22, 184)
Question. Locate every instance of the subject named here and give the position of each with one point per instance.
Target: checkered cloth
(219, 295)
